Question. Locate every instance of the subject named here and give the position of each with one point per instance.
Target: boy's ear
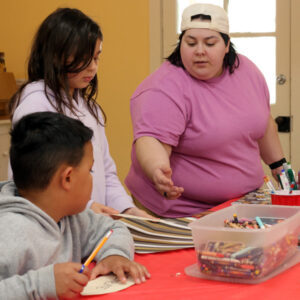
(66, 177)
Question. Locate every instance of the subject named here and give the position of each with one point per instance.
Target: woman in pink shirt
(62, 77)
(201, 123)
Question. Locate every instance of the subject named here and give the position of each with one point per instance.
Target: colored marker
(269, 184)
(291, 177)
(260, 223)
(279, 180)
(285, 167)
(96, 250)
(284, 180)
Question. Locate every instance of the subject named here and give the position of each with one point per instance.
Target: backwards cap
(219, 19)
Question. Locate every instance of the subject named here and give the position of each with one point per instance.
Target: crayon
(260, 223)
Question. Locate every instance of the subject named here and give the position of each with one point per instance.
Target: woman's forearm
(269, 146)
(152, 155)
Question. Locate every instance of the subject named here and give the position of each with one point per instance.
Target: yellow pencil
(96, 250)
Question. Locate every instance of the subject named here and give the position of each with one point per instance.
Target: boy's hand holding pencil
(68, 281)
(119, 265)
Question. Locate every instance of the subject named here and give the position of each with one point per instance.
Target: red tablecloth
(169, 282)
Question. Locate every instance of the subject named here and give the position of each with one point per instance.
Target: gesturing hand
(164, 184)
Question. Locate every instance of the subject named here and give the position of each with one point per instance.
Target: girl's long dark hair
(64, 34)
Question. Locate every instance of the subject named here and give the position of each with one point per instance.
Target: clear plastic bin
(245, 255)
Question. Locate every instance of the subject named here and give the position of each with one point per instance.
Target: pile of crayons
(286, 180)
(238, 260)
(245, 223)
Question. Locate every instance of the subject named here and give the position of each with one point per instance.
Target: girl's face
(202, 53)
(82, 79)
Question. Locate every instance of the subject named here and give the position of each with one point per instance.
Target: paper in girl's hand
(106, 284)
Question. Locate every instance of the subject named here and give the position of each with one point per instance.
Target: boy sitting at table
(45, 231)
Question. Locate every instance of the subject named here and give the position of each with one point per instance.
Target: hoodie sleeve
(119, 243)
(23, 274)
(116, 196)
(35, 284)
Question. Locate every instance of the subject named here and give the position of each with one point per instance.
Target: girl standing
(62, 77)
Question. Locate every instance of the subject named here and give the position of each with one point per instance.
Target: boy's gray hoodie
(31, 242)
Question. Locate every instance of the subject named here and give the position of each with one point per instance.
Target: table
(169, 282)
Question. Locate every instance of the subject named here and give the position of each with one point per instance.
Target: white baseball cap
(219, 19)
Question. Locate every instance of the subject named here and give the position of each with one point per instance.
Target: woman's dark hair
(41, 142)
(231, 59)
(64, 34)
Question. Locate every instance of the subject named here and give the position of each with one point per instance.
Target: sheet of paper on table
(106, 284)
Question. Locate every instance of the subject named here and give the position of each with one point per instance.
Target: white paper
(106, 284)
(157, 220)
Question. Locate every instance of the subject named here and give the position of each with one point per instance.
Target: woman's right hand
(153, 157)
(164, 184)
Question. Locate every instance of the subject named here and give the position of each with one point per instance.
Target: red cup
(285, 198)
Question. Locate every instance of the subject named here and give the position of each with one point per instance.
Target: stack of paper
(157, 235)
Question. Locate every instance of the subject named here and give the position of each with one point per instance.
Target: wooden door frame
(295, 84)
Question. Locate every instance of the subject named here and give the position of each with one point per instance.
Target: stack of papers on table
(159, 235)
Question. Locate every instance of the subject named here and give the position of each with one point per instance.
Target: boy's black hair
(66, 33)
(40, 143)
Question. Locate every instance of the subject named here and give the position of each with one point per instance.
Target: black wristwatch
(277, 164)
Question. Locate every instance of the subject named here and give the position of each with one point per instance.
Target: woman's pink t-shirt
(213, 127)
